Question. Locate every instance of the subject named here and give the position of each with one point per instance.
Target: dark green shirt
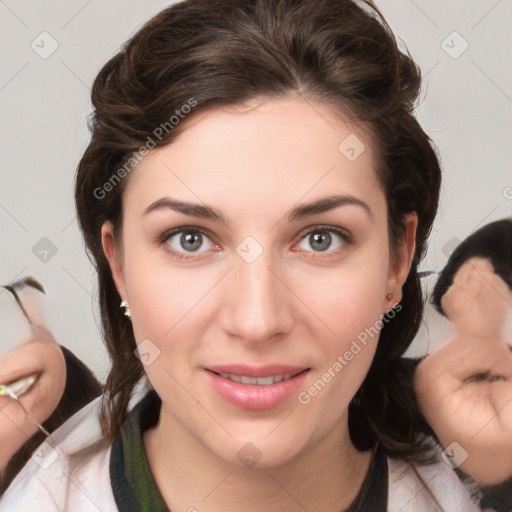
(133, 485)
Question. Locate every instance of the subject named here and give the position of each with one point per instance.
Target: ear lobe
(401, 265)
(111, 253)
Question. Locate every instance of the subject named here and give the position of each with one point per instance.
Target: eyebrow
(321, 205)
(191, 209)
(325, 204)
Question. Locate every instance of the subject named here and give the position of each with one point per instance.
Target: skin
(464, 389)
(478, 301)
(36, 352)
(293, 305)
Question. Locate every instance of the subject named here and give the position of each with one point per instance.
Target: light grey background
(466, 108)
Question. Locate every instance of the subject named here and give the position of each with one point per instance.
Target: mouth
(256, 388)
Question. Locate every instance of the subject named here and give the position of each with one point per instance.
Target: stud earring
(127, 310)
(389, 296)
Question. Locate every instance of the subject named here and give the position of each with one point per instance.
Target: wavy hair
(220, 53)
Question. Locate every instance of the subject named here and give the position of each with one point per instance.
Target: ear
(113, 258)
(400, 266)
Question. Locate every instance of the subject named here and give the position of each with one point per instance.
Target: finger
(464, 358)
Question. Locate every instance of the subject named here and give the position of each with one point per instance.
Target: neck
(325, 477)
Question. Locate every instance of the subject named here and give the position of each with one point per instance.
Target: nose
(256, 302)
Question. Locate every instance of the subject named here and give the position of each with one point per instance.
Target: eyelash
(345, 236)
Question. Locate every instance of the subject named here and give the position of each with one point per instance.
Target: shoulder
(415, 488)
(69, 471)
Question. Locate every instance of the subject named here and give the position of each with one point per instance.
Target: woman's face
(277, 288)
(25, 352)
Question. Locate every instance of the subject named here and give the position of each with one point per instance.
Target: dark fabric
(133, 485)
(135, 490)
(373, 495)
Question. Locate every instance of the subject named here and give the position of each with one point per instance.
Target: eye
(322, 238)
(183, 242)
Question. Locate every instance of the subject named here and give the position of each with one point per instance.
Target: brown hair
(218, 53)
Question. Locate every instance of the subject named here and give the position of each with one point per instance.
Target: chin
(259, 451)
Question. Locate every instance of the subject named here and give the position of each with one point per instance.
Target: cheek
(161, 298)
(57, 373)
(346, 358)
(351, 299)
(359, 305)
(351, 304)
(157, 291)
(52, 382)
(165, 303)
(356, 322)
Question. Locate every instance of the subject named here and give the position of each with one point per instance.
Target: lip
(253, 396)
(19, 374)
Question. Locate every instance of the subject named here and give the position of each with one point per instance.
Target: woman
(257, 196)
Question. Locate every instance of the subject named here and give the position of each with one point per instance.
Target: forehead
(265, 150)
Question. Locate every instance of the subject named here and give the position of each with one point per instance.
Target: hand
(464, 391)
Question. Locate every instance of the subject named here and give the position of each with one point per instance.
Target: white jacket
(56, 480)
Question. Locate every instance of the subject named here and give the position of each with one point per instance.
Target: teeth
(260, 381)
(21, 386)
